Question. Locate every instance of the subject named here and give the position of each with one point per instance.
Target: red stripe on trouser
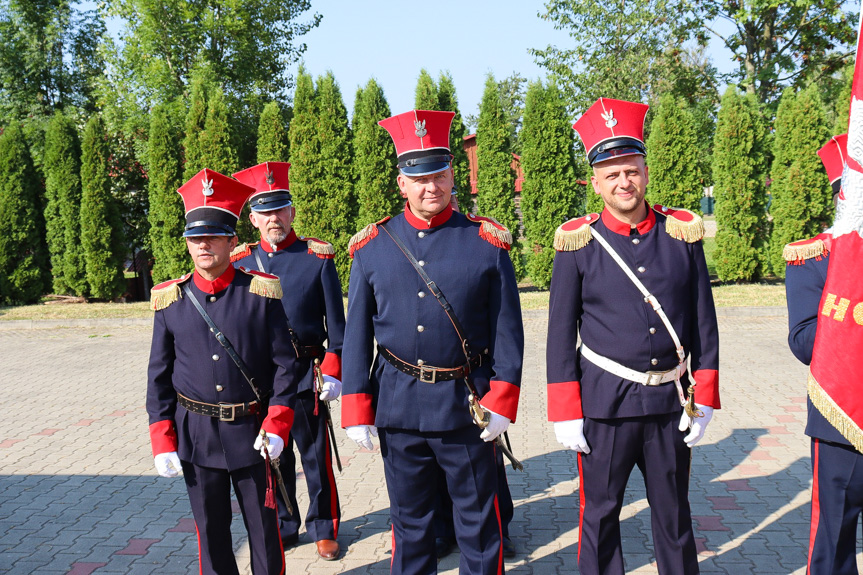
(816, 504)
(580, 507)
(331, 477)
(393, 556)
(198, 535)
(500, 531)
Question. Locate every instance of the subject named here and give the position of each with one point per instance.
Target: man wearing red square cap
(837, 465)
(312, 299)
(434, 342)
(221, 381)
(632, 283)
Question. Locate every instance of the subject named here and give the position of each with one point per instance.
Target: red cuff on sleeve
(357, 410)
(332, 365)
(707, 387)
(502, 399)
(163, 437)
(564, 401)
(279, 421)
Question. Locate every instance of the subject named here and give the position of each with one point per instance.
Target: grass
(61, 311)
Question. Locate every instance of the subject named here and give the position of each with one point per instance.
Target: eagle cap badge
(207, 190)
(270, 179)
(420, 128)
(610, 122)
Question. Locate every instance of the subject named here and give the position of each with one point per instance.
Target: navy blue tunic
(389, 302)
(185, 358)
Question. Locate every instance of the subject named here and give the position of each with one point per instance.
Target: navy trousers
(655, 445)
(443, 527)
(837, 501)
(309, 432)
(412, 462)
(210, 495)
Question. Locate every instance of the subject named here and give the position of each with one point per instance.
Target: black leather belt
(310, 350)
(430, 373)
(222, 411)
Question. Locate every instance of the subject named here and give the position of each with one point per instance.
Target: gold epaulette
(574, 234)
(166, 293)
(364, 236)
(796, 253)
(492, 231)
(682, 224)
(242, 251)
(320, 248)
(265, 285)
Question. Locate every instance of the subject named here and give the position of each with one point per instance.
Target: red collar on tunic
(437, 219)
(217, 285)
(622, 228)
(292, 237)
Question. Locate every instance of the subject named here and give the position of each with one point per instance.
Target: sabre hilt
(319, 376)
(481, 417)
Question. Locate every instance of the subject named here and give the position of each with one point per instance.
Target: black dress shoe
(508, 548)
(443, 546)
(290, 540)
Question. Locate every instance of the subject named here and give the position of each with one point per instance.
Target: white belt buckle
(654, 378)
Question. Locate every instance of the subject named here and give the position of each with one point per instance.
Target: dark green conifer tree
(802, 198)
(549, 194)
(374, 158)
(305, 147)
(101, 240)
(165, 176)
(23, 251)
(62, 167)
(426, 95)
(273, 134)
(196, 117)
(331, 210)
(672, 155)
(448, 101)
(495, 177)
(739, 172)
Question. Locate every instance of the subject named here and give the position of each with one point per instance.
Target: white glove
(275, 447)
(496, 425)
(362, 435)
(168, 464)
(332, 388)
(696, 425)
(571, 435)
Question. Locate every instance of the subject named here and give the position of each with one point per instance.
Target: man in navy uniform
(413, 390)
(633, 284)
(837, 467)
(313, 304)
(205, 417)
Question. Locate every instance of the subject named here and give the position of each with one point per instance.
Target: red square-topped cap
(833, 155)
(612, 128)
(271, 184)
(213, 203)
(421, 138)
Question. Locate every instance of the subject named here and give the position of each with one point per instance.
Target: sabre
(274, 462)
(481, 418)
(319, 385)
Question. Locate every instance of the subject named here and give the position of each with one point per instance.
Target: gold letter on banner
(830, 304)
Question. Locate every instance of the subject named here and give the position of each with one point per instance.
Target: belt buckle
(426, 379)
(233, 411)
(654, 378)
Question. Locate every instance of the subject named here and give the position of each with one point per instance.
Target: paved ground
(78, 492)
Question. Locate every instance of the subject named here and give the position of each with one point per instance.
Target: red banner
(836, 372)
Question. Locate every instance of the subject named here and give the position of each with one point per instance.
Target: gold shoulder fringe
(163, 297)
(572, 240)
(797, 252)
(266, 286)
(497, 236)
(320, 247)
(689, 231)
(834, 414)
(361, 238)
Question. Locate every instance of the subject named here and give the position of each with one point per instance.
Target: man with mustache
(312, 301)
(632, 284)
(411, 389)
(206, 418)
